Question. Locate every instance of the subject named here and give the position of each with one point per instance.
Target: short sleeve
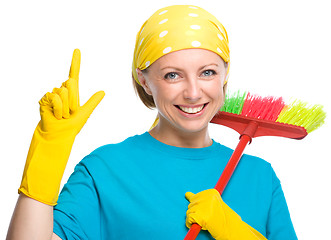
(279, 225)
(77, 214)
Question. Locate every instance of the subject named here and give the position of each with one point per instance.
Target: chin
(193, 127)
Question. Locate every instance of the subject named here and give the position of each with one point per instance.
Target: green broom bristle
(274, 109)
(234, 102)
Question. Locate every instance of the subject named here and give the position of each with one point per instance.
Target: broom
(253, 116)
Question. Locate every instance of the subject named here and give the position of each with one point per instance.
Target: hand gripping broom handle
(245, 138)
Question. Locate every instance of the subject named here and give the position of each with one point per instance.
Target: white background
(281, 48)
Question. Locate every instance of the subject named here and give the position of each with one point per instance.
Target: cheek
(164, 93)
(215, 90)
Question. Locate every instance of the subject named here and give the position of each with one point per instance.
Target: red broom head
(273, 116)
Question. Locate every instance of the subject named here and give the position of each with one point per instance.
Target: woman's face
(187, 87)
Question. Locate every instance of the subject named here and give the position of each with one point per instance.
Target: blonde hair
(147, 99)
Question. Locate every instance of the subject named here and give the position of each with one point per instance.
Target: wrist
(44, 168)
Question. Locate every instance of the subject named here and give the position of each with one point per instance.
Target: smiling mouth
(191, 110)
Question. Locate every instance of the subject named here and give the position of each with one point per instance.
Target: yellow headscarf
(175, 28)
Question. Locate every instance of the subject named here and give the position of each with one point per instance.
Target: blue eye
(208, 73)
(171, 75)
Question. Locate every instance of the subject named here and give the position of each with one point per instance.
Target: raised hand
(63, 104)
(62, 118)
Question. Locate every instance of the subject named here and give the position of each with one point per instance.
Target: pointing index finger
(72, 83)
(75, 65)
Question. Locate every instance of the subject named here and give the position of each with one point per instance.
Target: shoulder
(251, 167)
(257, 170)
(255, 162)
(113, 148)
(119, 151)
(247, 160)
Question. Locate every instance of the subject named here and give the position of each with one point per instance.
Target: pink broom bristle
(267, 108)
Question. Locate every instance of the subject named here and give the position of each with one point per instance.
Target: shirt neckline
(189, 153)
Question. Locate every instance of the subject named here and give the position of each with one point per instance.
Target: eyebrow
(176, 68)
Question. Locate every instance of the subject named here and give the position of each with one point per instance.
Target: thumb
(189, 196)
(92, 103)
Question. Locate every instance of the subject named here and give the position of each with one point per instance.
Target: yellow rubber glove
(207, 209)
(62, 118)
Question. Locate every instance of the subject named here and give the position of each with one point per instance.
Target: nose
(192, 90)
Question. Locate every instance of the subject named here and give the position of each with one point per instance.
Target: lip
(191, 106)
(192, 115)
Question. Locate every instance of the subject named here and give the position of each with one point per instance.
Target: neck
(178, 138)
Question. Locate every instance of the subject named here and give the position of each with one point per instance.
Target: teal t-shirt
(136, 190)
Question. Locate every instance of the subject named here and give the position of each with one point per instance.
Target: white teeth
(191, 110)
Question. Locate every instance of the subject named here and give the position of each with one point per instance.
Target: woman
(136, 189)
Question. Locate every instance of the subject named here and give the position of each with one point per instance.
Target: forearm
(244, 231)
(31, 220)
